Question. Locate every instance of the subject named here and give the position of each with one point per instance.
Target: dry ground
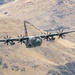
(50, 58)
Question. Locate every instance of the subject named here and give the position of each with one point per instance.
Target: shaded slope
(5, 1)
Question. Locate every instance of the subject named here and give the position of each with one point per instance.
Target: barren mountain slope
(43, 13)
(51, 58)
(40, 60)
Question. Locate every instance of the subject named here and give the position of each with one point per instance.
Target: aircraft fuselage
(33, 41)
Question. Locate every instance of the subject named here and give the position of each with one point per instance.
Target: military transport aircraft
(33, 41)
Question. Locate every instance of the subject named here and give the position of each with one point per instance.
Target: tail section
(26, 33)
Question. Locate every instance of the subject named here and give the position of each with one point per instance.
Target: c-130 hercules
(33, 41)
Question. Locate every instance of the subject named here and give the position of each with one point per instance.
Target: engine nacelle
(12, 43)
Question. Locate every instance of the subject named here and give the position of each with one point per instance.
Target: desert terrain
(52, 57)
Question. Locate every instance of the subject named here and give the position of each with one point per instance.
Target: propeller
(21, 39)
(47, 35)
(60, 34)
(7, 40)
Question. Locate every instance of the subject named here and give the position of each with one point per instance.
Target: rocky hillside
(52, 57)
(41, 13)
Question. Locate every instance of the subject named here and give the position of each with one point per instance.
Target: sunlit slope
(19, 55)
(50, 58)
(35, 60)
(43, 13)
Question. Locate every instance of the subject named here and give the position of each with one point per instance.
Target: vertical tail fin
(26, 33)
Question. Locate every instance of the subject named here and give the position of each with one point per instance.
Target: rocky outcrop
(67, 69)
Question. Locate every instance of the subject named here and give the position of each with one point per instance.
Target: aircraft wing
(14, 39)
(56, 34)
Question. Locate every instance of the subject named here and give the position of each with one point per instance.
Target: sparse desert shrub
(23, 69)
(5, 66)
(16, 68)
